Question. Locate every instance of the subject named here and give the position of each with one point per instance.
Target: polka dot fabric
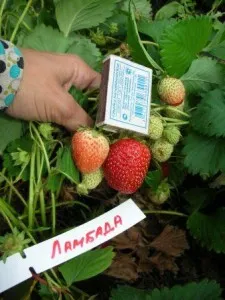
(11, 71)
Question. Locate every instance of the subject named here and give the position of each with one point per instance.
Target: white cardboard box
(125, 96)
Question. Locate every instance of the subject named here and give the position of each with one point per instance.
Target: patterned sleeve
(11, 71)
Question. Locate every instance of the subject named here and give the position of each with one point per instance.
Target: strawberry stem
(177, 111)
(173, 120)
(165, 212)
(150, 43)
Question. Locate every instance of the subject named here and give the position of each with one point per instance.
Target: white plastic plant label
(125, 95)
(68, 245)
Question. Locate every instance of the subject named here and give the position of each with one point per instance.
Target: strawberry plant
(52, 180)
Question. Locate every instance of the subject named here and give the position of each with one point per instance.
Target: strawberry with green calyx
(172, 134)
(89, 150)
(12, 243)
(21, 157)
(90, 181)
(126, 165)
(155, 127)
(161, 194)
(171, 91)
(46, 130)
(98, 37)
(162, 150)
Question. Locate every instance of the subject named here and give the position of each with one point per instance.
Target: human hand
(43, 92)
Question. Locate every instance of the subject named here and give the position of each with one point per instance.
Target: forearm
(11, 71)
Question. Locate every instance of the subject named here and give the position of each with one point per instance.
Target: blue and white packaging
(125, 96)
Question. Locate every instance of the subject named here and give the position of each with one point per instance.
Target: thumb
(70, 114)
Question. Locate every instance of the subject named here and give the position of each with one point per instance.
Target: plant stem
(23, 22)
(14, 189)
(150, 43)
(42, 146)
(58, 205)
(178, 123)
(20, 20)
(7, 220)
(1, 12)
(174, 120)
(177, 111)
(53, 213)
(40, 162)
(165, 212)
(31, 207)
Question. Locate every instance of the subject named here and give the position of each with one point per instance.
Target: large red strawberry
(126, 165)
(171, 90)
(89, 149)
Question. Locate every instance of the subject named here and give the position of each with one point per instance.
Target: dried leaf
(129, 239)
(123, 267)
(164, 263)
(172, 241)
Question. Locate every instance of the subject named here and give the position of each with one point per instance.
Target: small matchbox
(125, 96)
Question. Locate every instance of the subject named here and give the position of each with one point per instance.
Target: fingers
(71, 115)
(80, 74)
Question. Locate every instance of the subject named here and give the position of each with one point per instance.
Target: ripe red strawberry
(89, 150)
(126, 165)
(171, 90)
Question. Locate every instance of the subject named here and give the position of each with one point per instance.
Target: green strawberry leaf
(75, 15)
(10, 129)
(87, 50)
(25, 143)
(142, 7)
(209, 150)
(79, 97)
(54, 182)
(208, 118)
(66, 166)
(153, 179)
(138, 51)
(180, 46)
(203, 75)
(209, 230)
(167, 11)
(155, 29)
(219, 51)
(87, 265)
(198, 198)
(207, 290)
(218, 38)
(45, 38)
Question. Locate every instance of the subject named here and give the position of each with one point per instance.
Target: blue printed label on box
(128, 96)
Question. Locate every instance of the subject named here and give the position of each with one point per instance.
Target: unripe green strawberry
(89, 149)
(174, 114)
(161, 195)
(172, 134)
(98, 37)
(171, 90)
(90, 181)
(12, 243)
(155, 128)
(162, 150)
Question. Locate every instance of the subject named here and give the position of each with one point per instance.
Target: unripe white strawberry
(171, 91)
(155, 128)
(90, 181)
(172, 134)
(162, 150)
(161, 195)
